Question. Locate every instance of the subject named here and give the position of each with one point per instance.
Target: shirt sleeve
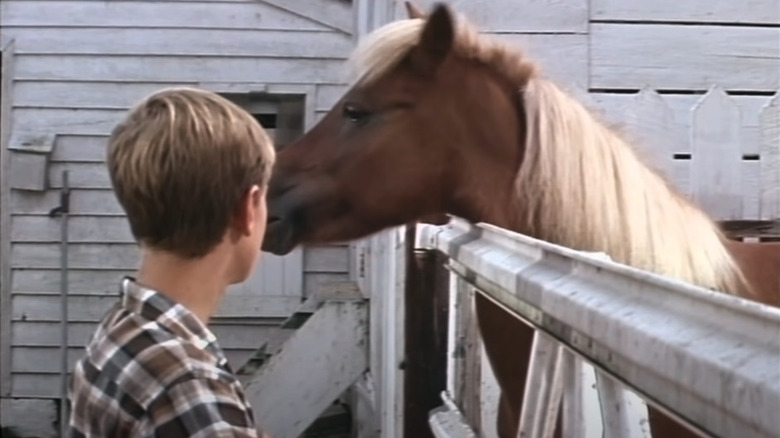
(199, 408)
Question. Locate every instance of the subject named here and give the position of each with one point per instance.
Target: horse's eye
(354, 113)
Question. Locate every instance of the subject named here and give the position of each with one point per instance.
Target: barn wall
(79, 65)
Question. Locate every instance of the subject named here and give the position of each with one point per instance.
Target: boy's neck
(197, 284)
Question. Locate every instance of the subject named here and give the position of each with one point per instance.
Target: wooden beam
(323, 358)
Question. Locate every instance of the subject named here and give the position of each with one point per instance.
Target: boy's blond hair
(181, 162)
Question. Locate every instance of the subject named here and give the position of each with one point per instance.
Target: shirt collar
(154, 306)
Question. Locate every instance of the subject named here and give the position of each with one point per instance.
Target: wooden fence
(587, 308)
(722, 150)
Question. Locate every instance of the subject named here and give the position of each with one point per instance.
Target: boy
(190, 170)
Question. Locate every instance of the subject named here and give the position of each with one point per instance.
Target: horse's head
(406, 142)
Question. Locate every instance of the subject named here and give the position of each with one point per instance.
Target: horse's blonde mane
(580, 184)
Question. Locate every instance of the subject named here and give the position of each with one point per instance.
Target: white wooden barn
(70, 68)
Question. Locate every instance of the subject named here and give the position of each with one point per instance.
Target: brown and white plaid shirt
(153, 369)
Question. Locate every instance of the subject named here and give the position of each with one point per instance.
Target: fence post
(769, 203)
(716, 177)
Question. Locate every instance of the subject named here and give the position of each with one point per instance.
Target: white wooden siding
(699, 11)
(678, 57)
(79, 65)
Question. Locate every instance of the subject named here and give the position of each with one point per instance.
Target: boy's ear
(245, 218)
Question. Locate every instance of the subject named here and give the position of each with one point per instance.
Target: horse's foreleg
(507, 343)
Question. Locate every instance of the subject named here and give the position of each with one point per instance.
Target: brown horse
(443, 120)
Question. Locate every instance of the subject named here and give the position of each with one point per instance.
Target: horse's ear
(414, 11)
(436, 40)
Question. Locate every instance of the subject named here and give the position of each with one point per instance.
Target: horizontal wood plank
(196, 42)
(49, 334)
(315, 281)
(81, 229)
(86, 95)
(613, 107)
(80, 281)
(91, 308)
(79, 148)
(563, 58)
(82, 202)
(334, 14)
(81, 308)
(208, 15)
(257, 305)
(684, 57)
(182, 68)
(120, 256)
(66, 121)
(244, 336)
(81, 175)
(699, 11)
(328, 95)
(232, 335)
(331, 258)
(42, 360)
(36, 385)
(553, 16)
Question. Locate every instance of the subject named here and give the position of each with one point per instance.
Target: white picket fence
(708, 357)
(719, 149)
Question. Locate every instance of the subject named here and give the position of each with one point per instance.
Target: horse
(442, 121)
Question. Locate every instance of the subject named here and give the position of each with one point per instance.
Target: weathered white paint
(134, 68)
(609, 314)
(544, 388)
(316, 365)
(716, 182)
(558, 16)
(447, 421)
(6, 76)
(684, 57)
(563, 58)
(98, 202)
(160, 14)
(645, 120)
(43, 411)
(650, 120)
(623, 413)
(701, 11)
(216, 43)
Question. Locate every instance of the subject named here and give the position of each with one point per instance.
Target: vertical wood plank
(650, 120)
(769, 204)
(470, 397)
(716, 182)
(6, 76)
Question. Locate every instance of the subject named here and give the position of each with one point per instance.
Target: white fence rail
(710, 358)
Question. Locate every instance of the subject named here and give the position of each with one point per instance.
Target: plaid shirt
(153, 369)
